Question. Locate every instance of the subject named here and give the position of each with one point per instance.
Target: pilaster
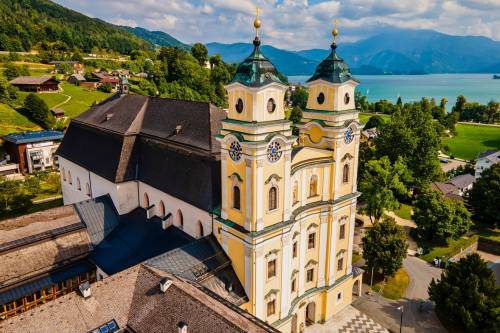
(259, 194)
(331, 255)
(286, 199)
(248, 271)
(285, 274)
(352, 224)
(249, 193)
(323, 234)
(356, 157)
(259, 281)
(223, 164)
(302, 256)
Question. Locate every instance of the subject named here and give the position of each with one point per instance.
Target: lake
(475, 87)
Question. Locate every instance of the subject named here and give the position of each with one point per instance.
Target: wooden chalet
(37, 84)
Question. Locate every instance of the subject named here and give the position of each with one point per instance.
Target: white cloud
(295, 24)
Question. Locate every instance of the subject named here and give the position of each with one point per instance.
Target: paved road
(419, 315)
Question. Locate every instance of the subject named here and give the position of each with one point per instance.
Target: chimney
(109, 116)
(182, 327)
(178, 129)
(85, 289)
(165, 283)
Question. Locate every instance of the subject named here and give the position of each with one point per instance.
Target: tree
(467, 297)
(200, 52)
(381, 182)
(295, 115)
(299, 97)
(32, 185)
(492, 111)
(385, 246)
(438, 218)
(374, 122)
(459, 104)
(484, 197)
(11, 71)
(38, 110)
(412, 135)
(105, 87)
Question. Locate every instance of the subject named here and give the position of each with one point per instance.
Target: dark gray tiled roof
(462, 181)
(134, 137)
(99, 216)
(205, 262)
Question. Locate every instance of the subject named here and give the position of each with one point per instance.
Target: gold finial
(335, 31)
(256, 23)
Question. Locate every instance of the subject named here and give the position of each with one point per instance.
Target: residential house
(58, 113)
(45, 83)
(485, 160)
(456, 187)
(77, 66)
(33, 150)
(369, 134)
(104, 78)
(76, 79)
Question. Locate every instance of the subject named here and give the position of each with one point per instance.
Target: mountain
(287, 62)
(158, 38)
(398, 51)
(24, 24)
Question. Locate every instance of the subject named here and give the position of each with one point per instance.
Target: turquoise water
(475, 87)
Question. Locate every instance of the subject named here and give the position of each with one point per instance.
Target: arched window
(78, 184)
(313, 186)
(70, 181)
(345, 173)
(295, 192)
(236, 197)
(145, 200)
(162, 209)
(63, 174)
(87, 189)
(180, 219)
(200, 229)
(273, 198)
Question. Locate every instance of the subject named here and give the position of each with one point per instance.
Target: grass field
(394, 287)
(450, 250)
(473, 139)
(80, 101)
(13, 121)
(404, 212)
(364, 117)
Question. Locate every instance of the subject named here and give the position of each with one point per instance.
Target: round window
(271, 106)
(239, 105)
(347, 98)
(321, 98)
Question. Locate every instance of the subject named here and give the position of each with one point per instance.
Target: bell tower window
(347, 98)
(345, 173)
(271, 105)
(239, 105)
(321, 98)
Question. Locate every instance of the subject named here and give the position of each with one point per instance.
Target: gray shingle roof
(462, 181)
(32, 79)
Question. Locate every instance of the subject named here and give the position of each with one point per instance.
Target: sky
(295, 24)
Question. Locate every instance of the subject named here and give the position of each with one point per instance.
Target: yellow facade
(288, 203)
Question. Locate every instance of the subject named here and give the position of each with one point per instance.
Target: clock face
(271, 106)
(349, 135)
(274, 151)
(235, 151)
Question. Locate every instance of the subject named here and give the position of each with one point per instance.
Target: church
(279, 208)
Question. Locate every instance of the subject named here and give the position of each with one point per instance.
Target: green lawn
(13, 121)
(492, 234)
(404, 211)
(450, 250)
(356, 257)
(365, 116)
(34, 209)
(81, 98)
(473, 139)
(394, 287)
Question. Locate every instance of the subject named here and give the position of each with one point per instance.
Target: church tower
(287, 214)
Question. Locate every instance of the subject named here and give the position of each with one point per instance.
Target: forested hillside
(42, 24)
(158, 38)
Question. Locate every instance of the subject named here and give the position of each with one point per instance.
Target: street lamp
(401, 308)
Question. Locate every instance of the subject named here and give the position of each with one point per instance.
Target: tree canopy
(412, 135)
(380, 182)
(484, 197)
(467, 297)
(385, 246)
(374, 122)
(38, 110)
(439, 218)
